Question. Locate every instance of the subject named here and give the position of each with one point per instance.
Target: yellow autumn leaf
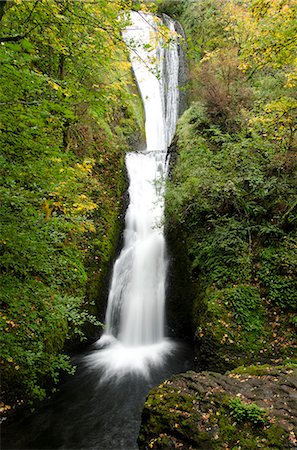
(54, 85)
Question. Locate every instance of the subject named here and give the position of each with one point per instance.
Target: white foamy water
(134, 338)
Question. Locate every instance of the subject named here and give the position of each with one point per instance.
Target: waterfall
(134, 336)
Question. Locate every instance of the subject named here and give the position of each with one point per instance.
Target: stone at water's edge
(193, 411)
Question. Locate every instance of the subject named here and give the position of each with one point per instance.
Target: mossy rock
(211, 411)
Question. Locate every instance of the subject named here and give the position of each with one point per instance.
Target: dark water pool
(89, 414)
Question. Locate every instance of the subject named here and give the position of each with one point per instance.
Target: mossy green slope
(230, 220)
(231, 197)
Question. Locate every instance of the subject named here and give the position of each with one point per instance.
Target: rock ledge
(199, 411)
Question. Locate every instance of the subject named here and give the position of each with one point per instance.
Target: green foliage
(173, 8)
(69, 111)
(231, 196)
(233, 320)
(243, 412)
(264, 32)
(35, 323)
(246, 303)
(278, 273)
(203, 25)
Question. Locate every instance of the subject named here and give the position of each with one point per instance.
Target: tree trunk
(61, 67)
(2, 8)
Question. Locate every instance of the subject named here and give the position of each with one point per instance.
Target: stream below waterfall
(89, 414)
(100, 407)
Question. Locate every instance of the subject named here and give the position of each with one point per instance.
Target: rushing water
(134, 338)
(100, 407)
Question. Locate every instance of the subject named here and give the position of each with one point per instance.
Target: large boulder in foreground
(248, 408)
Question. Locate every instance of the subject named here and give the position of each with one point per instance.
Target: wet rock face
(249, 408)
(183, 75)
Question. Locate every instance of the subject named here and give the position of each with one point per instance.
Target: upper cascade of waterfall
(157, 73)
(169, 62)
(136, 303)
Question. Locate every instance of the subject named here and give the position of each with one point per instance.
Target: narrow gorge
(101, 406)
(148, 224)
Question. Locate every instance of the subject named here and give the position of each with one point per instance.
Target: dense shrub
(243, 412)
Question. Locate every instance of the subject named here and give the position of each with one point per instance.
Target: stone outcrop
(249, 408)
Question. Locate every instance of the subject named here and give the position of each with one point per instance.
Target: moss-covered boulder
(249, 408)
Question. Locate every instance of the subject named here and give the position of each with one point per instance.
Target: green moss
(179, 416)
(248, 426)
(170, 412)
(267, 369)
(231, 322)
(278, 266)
(246, 437)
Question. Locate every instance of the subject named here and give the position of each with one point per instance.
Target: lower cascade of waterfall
(134, 337)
